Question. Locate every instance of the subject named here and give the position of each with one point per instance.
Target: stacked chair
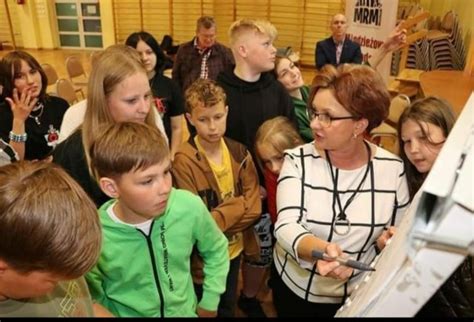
(442, 48)
(52, 76)
(65, 89)
(446, 46)
(77, 74)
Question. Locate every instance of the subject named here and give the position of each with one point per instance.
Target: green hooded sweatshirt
(139, 275)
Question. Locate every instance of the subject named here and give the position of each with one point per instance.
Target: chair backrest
(447, 23)
(74, 67)
(94, 56)
(50, 73)
(412, 37)
(65, 89)
(398, 104)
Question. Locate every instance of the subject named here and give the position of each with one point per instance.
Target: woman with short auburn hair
(338, 195)
(360, 89)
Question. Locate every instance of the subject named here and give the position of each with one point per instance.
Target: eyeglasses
(325, 119)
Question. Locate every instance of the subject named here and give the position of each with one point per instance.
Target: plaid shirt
(187, 67)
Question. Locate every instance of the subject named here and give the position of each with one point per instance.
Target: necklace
(39, 107)
(341, 219)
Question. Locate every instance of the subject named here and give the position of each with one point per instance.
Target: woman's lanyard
(341, 219)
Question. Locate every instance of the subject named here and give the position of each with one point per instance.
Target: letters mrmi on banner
(370, 22)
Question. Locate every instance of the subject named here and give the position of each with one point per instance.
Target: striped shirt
(306, 205)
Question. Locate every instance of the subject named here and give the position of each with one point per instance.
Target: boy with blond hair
(50, 237)
(254, 96)
(253, 93)
(221, 171)
(150, 230)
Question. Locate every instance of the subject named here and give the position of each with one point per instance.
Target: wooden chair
(76, 74)
(52, 77)
(388, 129)
(94, 56)
(65, 89)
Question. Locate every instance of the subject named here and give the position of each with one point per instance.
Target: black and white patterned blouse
(307, 204)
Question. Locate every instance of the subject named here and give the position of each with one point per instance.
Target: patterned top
(188, 64)
(68, 299)
(306, 204)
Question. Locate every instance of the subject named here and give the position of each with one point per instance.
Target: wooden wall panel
(5, 35)
(255, 9)
(300, 23)
(288, 18)
(128, 18)
(185, 14)
(157, 18)
(318, 16)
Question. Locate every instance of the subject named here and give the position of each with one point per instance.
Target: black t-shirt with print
(172, 102)
(42, 137)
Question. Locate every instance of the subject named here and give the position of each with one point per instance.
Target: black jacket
(71, 156)
(455, 298)
(325, 53)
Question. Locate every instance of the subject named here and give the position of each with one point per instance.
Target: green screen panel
(93, 41)
(70, 40)
(68, 25)
(92, 25)
(90, 9)
(66, 9)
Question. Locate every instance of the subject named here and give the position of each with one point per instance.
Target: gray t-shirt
(69, 299)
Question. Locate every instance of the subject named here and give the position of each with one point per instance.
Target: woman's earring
(354, 136)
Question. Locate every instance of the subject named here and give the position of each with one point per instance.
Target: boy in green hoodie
(150, 230)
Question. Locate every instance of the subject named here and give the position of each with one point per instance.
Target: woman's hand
(385, 236)
(21, 106)
(333, 268)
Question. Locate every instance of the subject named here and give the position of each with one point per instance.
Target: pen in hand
(343, 261)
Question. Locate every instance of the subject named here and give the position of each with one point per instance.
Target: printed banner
(370, 22)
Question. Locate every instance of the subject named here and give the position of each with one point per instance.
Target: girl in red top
(272, 139)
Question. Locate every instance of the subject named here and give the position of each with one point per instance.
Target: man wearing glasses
(202, 57)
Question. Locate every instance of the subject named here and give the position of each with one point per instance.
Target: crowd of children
(125, 219)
